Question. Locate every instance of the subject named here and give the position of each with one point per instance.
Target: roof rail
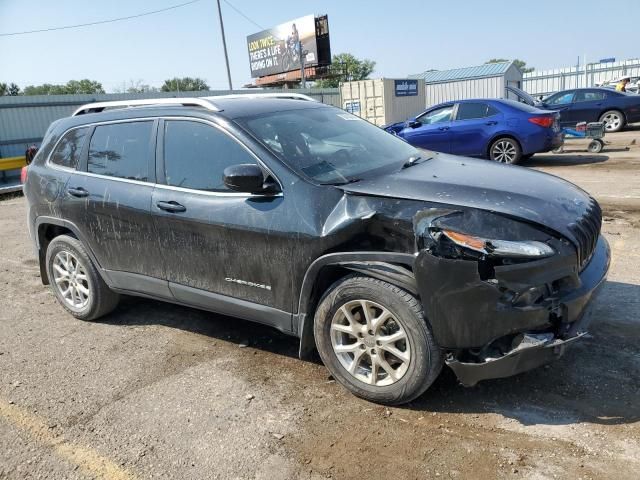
(100, 106)
(290, 96)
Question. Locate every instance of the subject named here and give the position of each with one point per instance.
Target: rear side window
(196, 154)
(582, 96)
(67, 152)
(469, 111)
(121, 150)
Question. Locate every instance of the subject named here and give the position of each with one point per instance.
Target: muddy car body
(419, 259)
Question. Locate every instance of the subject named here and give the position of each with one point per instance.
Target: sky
(401, 37)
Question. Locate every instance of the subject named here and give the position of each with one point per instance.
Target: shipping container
(384, 100)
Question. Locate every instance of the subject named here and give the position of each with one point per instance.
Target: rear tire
(390, 358)
(505, 150)
(614, 121)
(76, 282)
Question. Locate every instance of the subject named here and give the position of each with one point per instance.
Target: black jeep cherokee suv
(389, 260)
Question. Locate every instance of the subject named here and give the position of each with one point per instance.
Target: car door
(431, 130)
(222, 249)
(587, 105)
(562, 102)
(109, 199)
(474, 126)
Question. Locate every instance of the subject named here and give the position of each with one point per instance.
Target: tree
(345, 68)
(84, 86)
(11, 89)
(521, 64)
(185, 84)
(72, 86)
(135, 86)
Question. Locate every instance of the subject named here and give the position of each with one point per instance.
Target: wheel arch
(614, 109)
(498, 136)
(48, 228)
(394, 268)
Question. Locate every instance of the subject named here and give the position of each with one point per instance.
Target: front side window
(436, 116)
(469, 111)
(589, 96)
(328, 145)
(67, 152)
(121, 150)
(196, 154)
(563, 98)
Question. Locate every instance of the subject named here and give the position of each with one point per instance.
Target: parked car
(306, 218)
(615, 109)
(502, 130)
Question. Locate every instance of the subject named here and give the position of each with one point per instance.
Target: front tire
(505, 150)
(375, 341)
(613, 121)
(76, 282)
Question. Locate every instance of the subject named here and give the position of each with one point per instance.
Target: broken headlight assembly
(526, 249)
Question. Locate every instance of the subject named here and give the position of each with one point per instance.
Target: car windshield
(329, 145)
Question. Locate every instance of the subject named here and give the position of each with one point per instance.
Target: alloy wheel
(504, 151)
(71, 280)
(611, 121)
(370, 342)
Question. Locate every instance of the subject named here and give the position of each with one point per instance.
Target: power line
(112, 20)
(243, 15)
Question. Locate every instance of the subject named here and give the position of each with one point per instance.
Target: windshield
(329, 145)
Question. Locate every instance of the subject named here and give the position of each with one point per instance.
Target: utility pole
(224, 45)
(302, 77)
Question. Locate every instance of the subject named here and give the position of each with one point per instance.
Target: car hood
(510, 190)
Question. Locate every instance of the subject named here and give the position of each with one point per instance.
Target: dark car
(615, 109)
(389, 260)
(502, 130)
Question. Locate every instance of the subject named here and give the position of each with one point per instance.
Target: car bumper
(534, 351)
(468, 314)
(542, 143)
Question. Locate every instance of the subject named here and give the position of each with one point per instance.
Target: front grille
(586, 230)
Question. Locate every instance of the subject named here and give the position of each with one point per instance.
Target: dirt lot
(161, 391)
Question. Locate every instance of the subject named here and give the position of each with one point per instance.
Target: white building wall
(490, 87)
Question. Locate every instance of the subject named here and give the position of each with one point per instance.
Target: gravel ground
(162, 391)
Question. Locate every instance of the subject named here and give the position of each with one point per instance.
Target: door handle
(78, 192)
(173, 207)
(491, 122)
(443, 128)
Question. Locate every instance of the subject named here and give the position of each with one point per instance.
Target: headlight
(500, 248)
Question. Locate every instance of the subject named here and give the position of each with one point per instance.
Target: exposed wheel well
(326, 277)
(498, 137)
(46, 233)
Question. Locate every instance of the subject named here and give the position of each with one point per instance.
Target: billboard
(276, 50)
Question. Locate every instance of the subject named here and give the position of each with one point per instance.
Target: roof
(229, 107)
(480, 71)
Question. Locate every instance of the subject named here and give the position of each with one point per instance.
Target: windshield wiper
(414, 161)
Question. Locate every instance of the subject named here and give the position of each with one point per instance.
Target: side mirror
(414, 124)
(246, 178)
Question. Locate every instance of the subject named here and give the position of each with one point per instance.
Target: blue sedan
(502, 130)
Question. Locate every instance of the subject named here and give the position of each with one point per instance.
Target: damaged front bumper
(534, 351)
(497, 339)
